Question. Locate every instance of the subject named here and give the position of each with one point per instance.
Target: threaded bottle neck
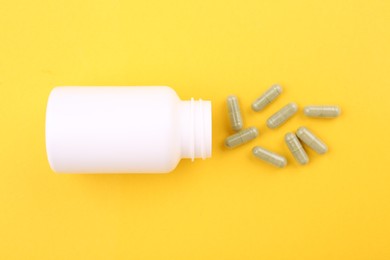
(195, 128)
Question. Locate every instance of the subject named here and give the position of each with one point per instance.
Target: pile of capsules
(293, 140)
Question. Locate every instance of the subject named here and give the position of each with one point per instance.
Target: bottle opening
(196, 129)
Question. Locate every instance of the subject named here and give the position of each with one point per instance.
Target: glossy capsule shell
(234, 113)
(242, 137)
(269, 157)
(270, 95)
(311, 140)
(296, 148)
(282, 115)
(322, 111)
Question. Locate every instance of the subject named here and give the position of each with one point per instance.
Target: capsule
(270, 157)
(307, 137)
(296, 148)
(234, 113)
(241, 137)
(322, 111)
(282, 115)
(270, 95)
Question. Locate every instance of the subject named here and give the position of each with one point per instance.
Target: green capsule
(307, 137)
(234, 113)
(282, 115)
(242, 137)
(270, 95)
(270, 157)
(296, 148)
(322, 111)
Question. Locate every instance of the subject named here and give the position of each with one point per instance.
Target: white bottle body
(115, 130)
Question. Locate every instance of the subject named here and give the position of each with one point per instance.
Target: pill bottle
(124, 129)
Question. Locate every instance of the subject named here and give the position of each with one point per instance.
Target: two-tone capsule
(269, 157)
(296, 148)
(242, 137)
(234, 113)
(282, 115)
(270, 95)
(322, 111)
(311, 140)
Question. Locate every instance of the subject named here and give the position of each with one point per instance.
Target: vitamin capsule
(270, 157)
(296, 148)
(242, 137)
(270, 95)
(307, 137)
(282, 115)
(322, 111)
(234, 113)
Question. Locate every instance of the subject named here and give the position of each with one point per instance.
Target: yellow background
(232, 206)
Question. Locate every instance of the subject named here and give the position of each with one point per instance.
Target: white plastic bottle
(124, 129)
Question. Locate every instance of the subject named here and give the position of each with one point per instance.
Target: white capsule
(269, 157)
(296, 148)
(270, 95)
(282, 115)
(242, 137)
(234, 112)
(315, 143)
(322, 111)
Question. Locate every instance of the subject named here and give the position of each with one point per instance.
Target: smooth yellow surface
(232, 206)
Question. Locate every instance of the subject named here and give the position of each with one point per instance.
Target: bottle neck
(195, 128)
